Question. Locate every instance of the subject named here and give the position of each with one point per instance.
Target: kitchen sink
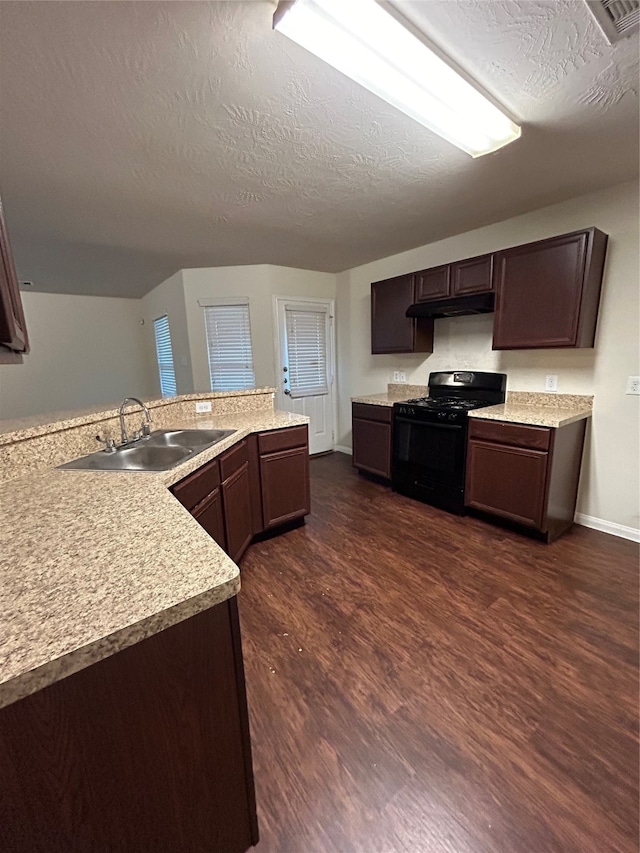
(162, 450)
(191, 438)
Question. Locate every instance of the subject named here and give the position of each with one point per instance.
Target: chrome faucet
(145, 428)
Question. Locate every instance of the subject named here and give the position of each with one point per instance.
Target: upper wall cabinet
(13, 331)
(391, 330)
(474, 275)
(547, 293)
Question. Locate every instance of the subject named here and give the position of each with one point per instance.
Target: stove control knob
(452, 416)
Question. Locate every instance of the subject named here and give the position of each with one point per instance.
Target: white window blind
(229, 347)
(307, 350)
(164, 354)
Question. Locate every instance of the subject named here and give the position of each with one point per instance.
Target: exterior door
(305, 360)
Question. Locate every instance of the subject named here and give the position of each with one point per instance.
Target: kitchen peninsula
(121, 675)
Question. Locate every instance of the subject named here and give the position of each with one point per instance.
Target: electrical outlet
(551, 382)
(633, 385)
(403, 376)
(203, 406)
(396, 376)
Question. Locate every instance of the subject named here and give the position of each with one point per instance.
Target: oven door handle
(400, 420)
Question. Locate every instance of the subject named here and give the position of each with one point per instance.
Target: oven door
(431, 451)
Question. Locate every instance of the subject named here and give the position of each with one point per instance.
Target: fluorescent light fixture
(361, 39)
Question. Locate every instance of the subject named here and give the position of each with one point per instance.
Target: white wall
(168, 298)
(84, 350)
(260, 283)
(609, 487)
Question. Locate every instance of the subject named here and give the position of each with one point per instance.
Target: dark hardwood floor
(423, 682)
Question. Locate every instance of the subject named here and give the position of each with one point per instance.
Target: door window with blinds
(164, 356)
(307, 335)
(229, 345)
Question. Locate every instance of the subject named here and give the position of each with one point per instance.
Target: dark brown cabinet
(391, 330)
(547, 292)
(462, 278)
(547, 295)
(260, 483)
(474, 275)
(526, 474)
(145, 750)
(236, 498)
(433, 284)
(284, 475)
(209, 515)
(13, 329)
(371, 436)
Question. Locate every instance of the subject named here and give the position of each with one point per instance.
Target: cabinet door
(285, 486)
(433, 284)
(391, 330)
(236, 498)
(474, 275)
(164, 721)
(538, 293)
(209, 515)
(507, 481)
(13, 330)
(372, 446)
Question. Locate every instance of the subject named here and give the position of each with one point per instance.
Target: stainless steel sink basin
(162, 450)
(192, 438)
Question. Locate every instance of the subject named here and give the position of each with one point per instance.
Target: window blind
(229, 347)
(164, 355)
(307, 350)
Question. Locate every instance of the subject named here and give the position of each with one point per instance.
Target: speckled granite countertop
(395, 393)
(92, 562)
(533, 409)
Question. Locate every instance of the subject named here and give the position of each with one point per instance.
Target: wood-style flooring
(423, 682)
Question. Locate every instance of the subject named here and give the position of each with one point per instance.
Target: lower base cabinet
(284, 475)
(525, 474)
(147, 750)
(259, 484)
(236, 498)
(209, 515)
(371, 429)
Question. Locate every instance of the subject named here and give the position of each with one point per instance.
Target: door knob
(287, 392)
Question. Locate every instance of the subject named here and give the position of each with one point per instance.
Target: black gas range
(430, 436)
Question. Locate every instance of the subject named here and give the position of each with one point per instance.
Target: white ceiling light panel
(363, 41)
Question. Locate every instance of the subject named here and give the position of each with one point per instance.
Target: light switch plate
(203, 406)
(403, 376)
(396, 376)
(551, 382)
(633, 385)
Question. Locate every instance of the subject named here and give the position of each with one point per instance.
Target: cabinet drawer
(233, 459)
(372, 413)
(282, 439)
(198, 485)
(519, 435)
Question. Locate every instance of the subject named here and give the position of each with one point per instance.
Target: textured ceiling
(138, 138)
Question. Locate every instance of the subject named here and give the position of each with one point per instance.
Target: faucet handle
(146, 428)
(109, 444)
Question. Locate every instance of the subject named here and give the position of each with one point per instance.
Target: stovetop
(447, 403)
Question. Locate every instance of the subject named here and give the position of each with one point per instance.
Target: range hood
(454, 306)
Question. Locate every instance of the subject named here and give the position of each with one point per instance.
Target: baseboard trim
(611, 527)
(342, 448)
